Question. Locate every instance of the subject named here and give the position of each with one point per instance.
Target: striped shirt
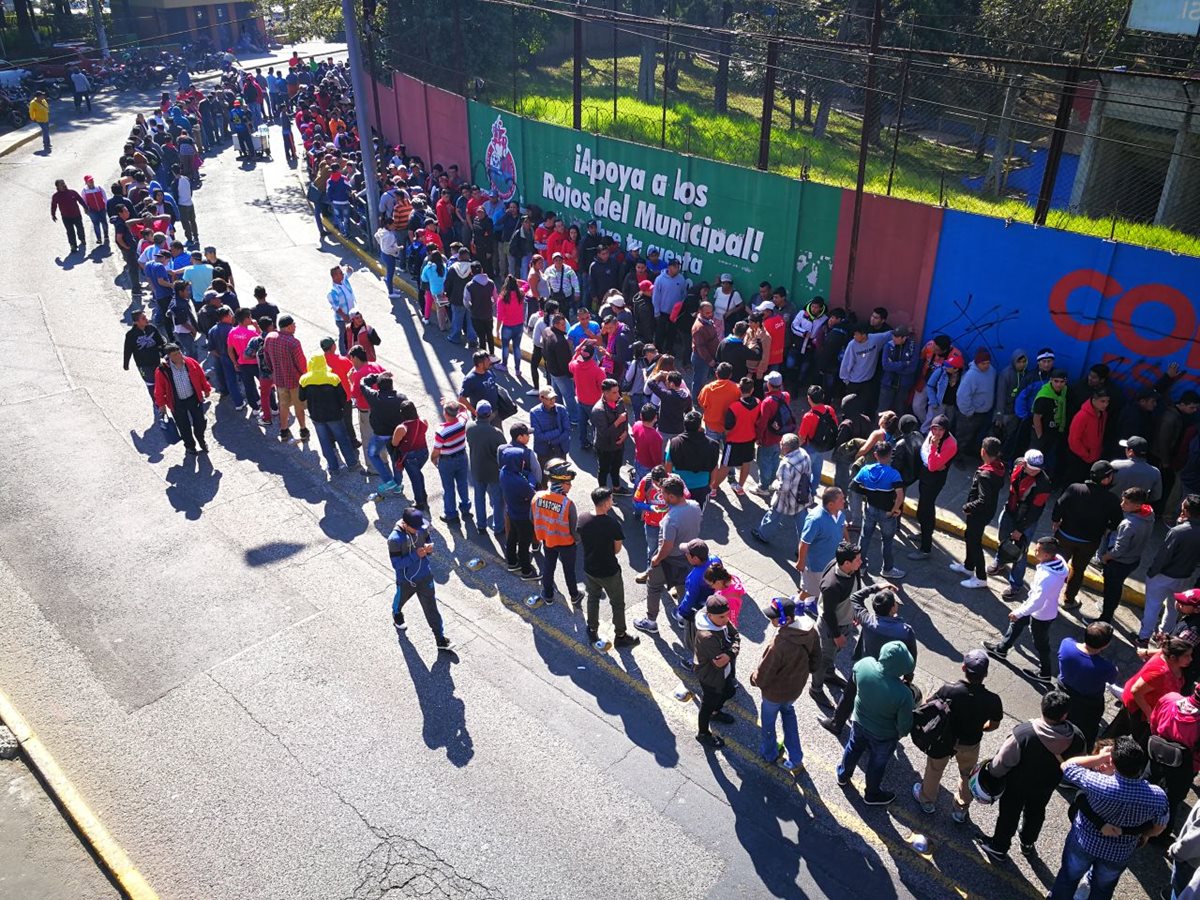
(450, 438)
(286, 357)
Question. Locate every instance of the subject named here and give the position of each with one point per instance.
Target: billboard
(1165, 16)
(713, 217)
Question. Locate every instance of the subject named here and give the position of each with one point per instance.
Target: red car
(62, 59)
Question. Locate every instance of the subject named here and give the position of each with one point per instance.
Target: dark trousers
(1115, 574)
(663, 329)
(517, 543)
(248, 373)
(189, 417)
(711, 701)
(74, 228)
(423, 588)
(1176, 781)
(845, 706)
(610, 466)
(245, 144)
(973, 537)
(133, 273)
(565, 555)
(1085, 713)
(1078, 554)
(931, 485)
(483, 331)
(80, 97)
(1020, 802)
(535, 361)
(1040, 629)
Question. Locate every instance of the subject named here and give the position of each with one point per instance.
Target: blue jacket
(402, 549)
(899, 363)
(337, 191)
(696, 590)
(516, 482)
(551, 429)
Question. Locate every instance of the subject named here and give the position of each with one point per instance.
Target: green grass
(926, 171)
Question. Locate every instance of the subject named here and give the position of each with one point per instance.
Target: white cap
(1034, 458)
(774, 378)
(765, 306)
(727, 277)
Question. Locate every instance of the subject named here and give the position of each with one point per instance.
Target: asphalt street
(206, 644)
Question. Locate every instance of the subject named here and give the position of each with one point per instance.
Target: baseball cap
(901, 331)
(765, 306)
(774, 379)
(716, 605)
(1101, 469)
(1045, 354)
(413, 518)
(1034, 458)
(726, 277)
(617, 301)
(975, 662)
(328, 343)
(1190, 597)
(646, 347)
(782, 608)
(483, 409)
(1136, 444)
(557, 256)
(645, 285)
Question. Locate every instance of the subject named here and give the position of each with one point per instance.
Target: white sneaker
(973, 582)
(960, 569)
(893, 572)
(532, 392)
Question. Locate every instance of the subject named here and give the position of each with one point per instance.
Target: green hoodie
(884, 704)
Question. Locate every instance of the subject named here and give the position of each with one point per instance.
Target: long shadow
(839, 862)
(443, 713)
(192, 485)
(272, 551)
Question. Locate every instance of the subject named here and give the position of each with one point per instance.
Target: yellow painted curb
(112, 858)
(21, 143)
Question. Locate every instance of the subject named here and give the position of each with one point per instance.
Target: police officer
(555, 525)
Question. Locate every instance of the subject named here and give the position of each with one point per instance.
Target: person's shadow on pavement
(444, 713)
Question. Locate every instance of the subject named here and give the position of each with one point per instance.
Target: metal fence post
(899, 119)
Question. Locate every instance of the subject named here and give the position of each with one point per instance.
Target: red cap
(1190, 597)
(645, 286)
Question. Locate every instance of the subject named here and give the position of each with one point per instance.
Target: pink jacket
(510, 310)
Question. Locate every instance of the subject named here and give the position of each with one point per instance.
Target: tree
(648, 57)
(724, 51)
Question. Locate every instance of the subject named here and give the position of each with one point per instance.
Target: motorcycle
(13, 110)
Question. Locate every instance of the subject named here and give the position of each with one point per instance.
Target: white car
(10, 76)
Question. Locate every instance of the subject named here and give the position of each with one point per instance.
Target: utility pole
(577, 72)
(101, 34)
(349, 14)
(768, 101)
(899, 120)
(1057, 139)
(864, 144)
(662, 141)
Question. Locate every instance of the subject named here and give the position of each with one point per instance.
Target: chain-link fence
(976, 133)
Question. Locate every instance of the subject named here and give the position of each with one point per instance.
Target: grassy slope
(925, 171)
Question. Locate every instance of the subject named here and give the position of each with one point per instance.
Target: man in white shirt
(341, 299)
(187, 210)
(1039, 611)
(82, 88)
(564, 285)
(727, 304)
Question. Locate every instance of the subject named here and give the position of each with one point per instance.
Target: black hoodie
(984, 493)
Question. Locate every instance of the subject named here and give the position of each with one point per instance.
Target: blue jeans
(329, 434)
(1075, 864)
(652, 532)
(389, 268)
(510, 335)
(699, 374)
(879, 754)
(878, 518)
(45, 128)
(229, 375)
(376, 448)
(339, 328)
(768, 464)
(341, 215)
(99, 223)
(485, 494)
(791, 734)
(817, 460)
(458, 321)
(772, 520)
(564, 386)
(414, 460)
(187, 343)
(636, 402)
(1016, 571)
(455, 475)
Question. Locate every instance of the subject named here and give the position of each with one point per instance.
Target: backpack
(906, 457)
(932, 732)
(373, 337)
(783, 420)
(254, 347)
(824, 436)
(1023, 405)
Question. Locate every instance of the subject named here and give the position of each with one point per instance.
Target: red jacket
(588, 375)
(164, 384)
(1085, 437)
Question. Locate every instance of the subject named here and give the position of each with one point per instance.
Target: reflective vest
(552, 519)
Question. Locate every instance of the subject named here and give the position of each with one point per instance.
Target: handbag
(1166, 753)
(505, 406)
(170, 430)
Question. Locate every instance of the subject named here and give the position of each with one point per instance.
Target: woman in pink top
(510, 322)
(246, 363)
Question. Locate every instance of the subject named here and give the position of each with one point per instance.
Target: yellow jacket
(39, 110)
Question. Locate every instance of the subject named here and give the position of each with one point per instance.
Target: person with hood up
(899, 363)
(781, 675)
(1009, 384)
(480, 298)
(883, 712)
(975, 399)
(1029, 762)
(321, 391)
(978, 510)
(804, 336)
(1028, 491)
(458, 276)
(937, 451)
(518, 481)
(717, 647)
(1126, 547)
(1038, 612)
(935, 353)
(937, 385)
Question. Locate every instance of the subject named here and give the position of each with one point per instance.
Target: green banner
(715, 218)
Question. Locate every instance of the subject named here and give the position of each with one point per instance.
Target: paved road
(205, 644)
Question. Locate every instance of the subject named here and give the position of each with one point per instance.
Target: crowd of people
(673, 393)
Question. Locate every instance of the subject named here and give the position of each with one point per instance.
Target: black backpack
(783, 420)
(824, 437)
(932, 732)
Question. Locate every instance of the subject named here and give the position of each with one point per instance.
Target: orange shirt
(715, 399)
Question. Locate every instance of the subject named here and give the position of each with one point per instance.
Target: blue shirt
(1117, 800)
(822, 532)
(667, 292)
(156, 270)
(1081, 672)
(576, 336)
(696, 590)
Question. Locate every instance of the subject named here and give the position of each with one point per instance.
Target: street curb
(945, 522)
(103, 846)
(21, 143)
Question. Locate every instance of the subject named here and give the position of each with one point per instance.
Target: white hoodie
(1048, 580)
